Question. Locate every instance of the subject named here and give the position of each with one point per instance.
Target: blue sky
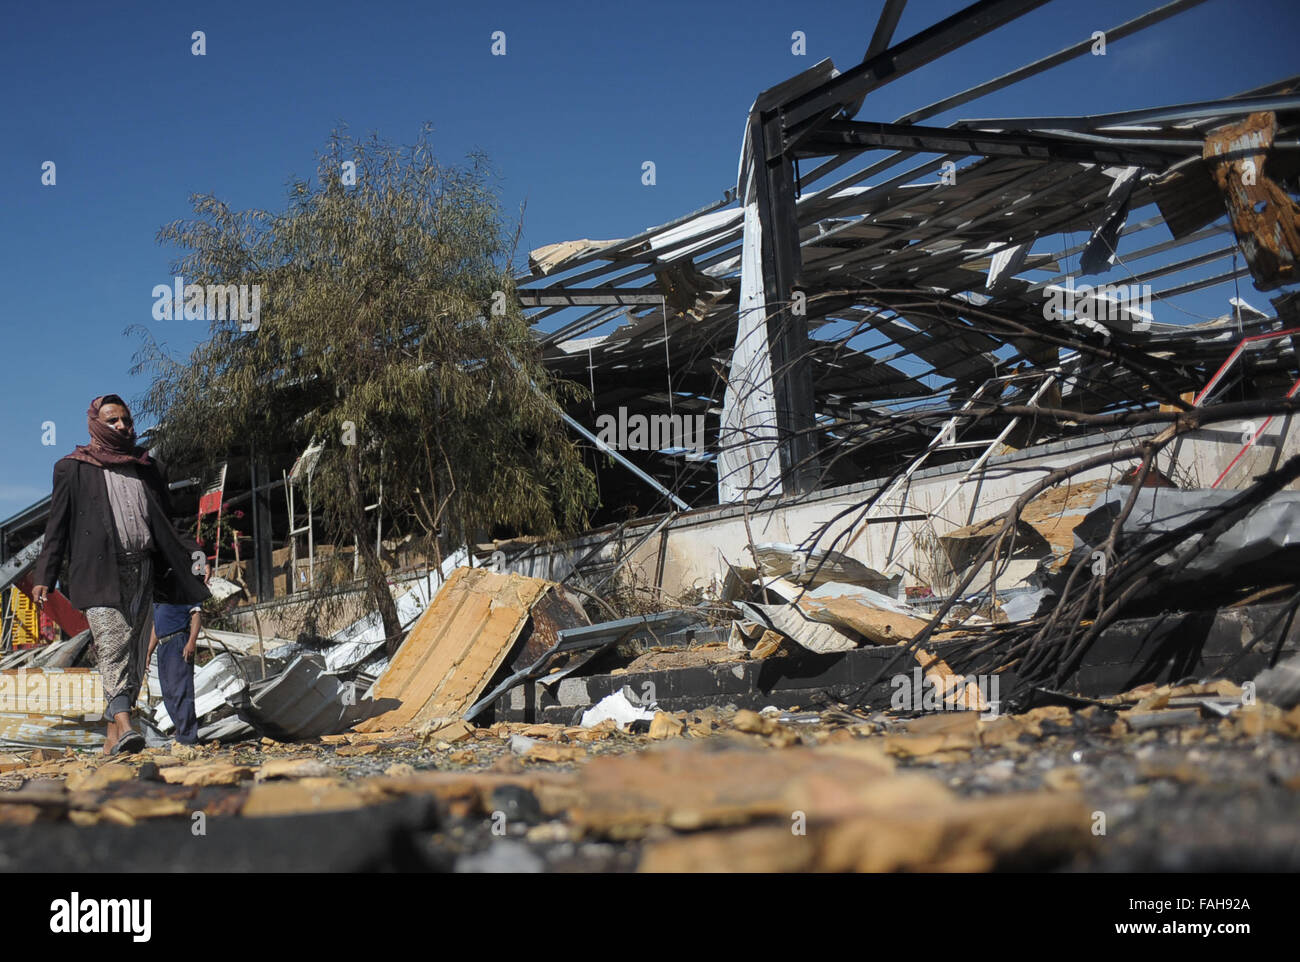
(584, 95)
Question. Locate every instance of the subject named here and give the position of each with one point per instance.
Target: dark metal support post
(263, 563)
(787, 330)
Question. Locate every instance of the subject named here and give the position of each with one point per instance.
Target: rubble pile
(730, 790)
(631, 782)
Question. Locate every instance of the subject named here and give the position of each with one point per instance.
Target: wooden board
(456, 647)
(877, 625)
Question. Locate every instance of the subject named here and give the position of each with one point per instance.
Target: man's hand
(188, 651)
(39, 594)
(207, 573)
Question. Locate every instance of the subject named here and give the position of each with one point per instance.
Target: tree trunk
(376, 583)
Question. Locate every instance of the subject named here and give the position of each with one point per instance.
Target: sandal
(129, 744)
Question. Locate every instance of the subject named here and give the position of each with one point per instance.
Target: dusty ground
(1137, 785)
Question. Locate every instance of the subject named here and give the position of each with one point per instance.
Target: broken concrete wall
(692, 554)
(285, 617)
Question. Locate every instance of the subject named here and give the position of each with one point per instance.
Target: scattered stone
(546, 752)
(1067, 778)
(1178, 770)
(126, 811)
(549, 833)
(938, 748)
(344, 751)
(664, 725)
(99, 778)
(516, 803)
(1141, 720)
(10, 763)
(503, 855)
(522, 745)
(751, 721)
(306, 795)
(20, 814)
(293, 768)
(206, 774)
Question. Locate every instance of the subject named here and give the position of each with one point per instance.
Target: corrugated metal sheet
(456, 647)
(23, 730)
(242, 642)
(217, 683)
(797, 626)
(304, 701)
(58, 654)
(359, 640)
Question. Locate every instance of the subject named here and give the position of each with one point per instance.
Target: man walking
(110, 516)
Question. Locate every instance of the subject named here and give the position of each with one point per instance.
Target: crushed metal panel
(1187, 197)
(456, 647)
(60, 654)
(555, 612)
(699, 231)
(1099, 253)
(1265, 218)
(545, 260)
(216, 685)
(233, 728)
(875, 616)
(241, 642)
(15, 567)
(361, 639)
(687, 291)
(817, 566)
(747, 438)
(1260, 548)
(582, 643)
(24, 730)
(305, 701)
(1005, 264)
(799, 627)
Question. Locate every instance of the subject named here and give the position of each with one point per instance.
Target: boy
(175, 634)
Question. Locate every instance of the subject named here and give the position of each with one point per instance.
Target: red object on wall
(57, 607)
(210, 499)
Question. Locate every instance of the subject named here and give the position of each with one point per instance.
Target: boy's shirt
(169, 619)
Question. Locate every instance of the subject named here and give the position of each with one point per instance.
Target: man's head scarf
(108, 445)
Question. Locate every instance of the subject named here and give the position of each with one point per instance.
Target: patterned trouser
(122, 635)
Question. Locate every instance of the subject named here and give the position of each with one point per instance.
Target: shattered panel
(456, 647)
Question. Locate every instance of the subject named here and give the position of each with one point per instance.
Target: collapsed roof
(829, 322)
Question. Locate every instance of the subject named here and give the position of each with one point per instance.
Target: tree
(389, 328)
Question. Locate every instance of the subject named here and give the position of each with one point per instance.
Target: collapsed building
(902, 399)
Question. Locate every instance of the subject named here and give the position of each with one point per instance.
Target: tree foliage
(388, 317)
